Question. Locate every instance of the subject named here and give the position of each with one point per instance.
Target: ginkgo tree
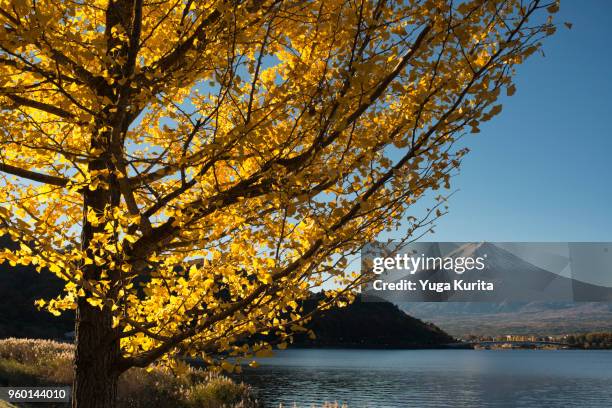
(193, 169)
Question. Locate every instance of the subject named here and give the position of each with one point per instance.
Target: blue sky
(541, 170)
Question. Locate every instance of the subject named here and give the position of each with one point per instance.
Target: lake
(435, 378)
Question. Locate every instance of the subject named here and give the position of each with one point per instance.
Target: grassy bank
(25, 362)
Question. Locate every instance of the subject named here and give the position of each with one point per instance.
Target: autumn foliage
(193, 169)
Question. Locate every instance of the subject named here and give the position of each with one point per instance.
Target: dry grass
(31, 362)
(25, 362)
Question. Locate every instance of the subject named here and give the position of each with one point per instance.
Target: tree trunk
(96, 372)
(96, 375)
(97, 344)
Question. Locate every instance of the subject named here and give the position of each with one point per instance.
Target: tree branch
(34, 176)
(45, 107)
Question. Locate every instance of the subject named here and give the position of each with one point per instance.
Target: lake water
(435, 378)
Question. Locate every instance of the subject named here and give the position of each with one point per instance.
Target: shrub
(219, 392)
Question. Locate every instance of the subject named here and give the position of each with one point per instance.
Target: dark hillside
(373, 325)
(20, 286)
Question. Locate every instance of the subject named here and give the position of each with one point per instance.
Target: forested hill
(371, 325)
(20, 286)
(358, 325)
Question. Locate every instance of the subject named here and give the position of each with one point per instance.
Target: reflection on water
(435, 378)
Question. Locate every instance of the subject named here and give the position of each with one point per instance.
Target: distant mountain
(515, 280)
(547, 315)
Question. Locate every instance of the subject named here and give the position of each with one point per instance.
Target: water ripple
(435, 378)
